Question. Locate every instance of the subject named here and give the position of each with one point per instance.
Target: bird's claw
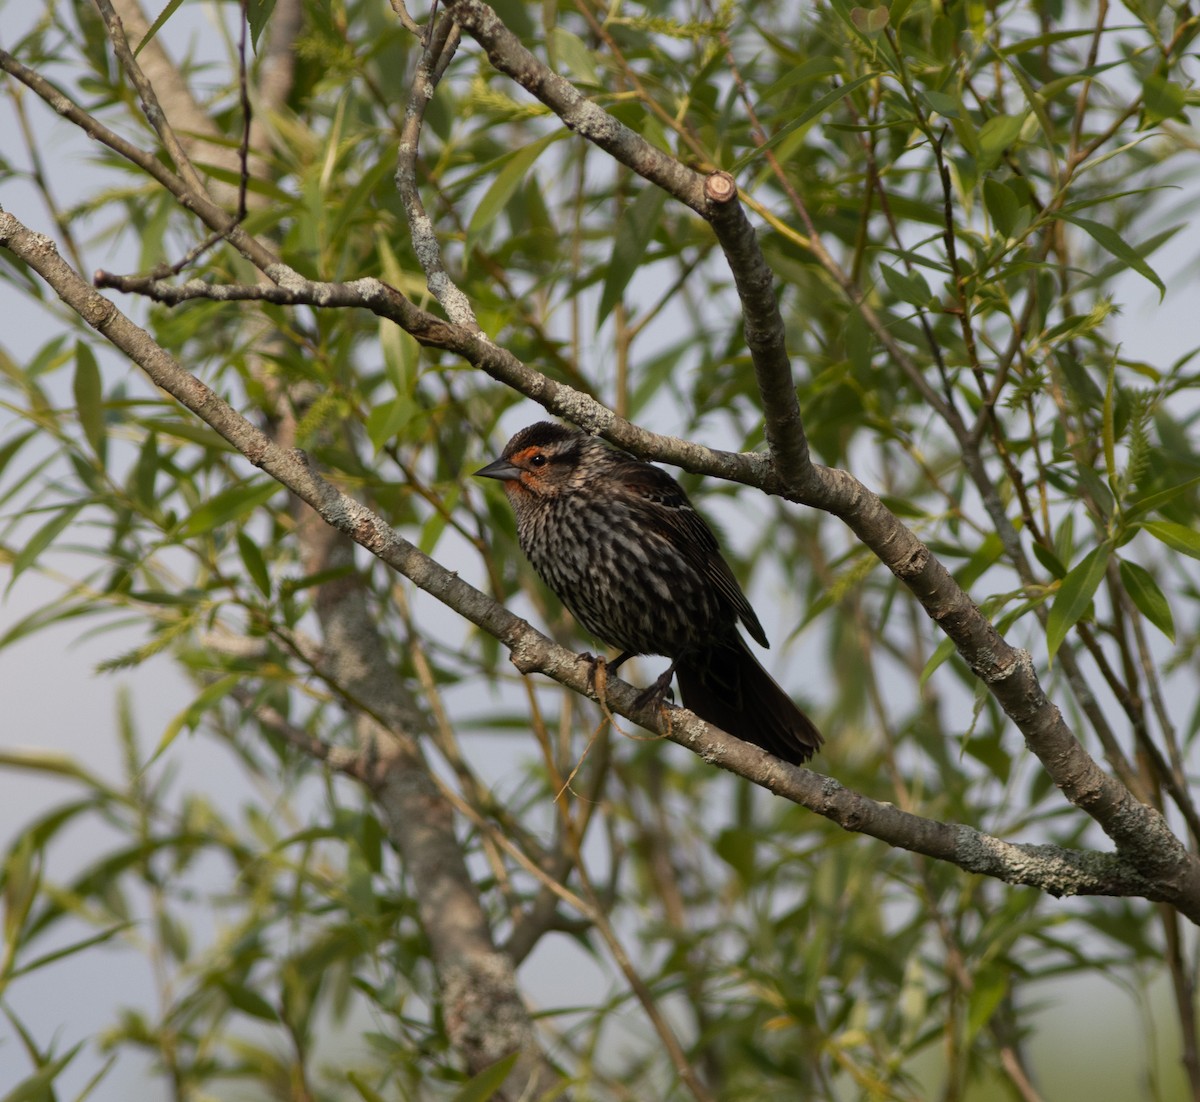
(659, 693)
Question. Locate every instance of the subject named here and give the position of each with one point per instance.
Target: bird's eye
(538, 460)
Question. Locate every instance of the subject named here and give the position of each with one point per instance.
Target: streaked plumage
(620, 543)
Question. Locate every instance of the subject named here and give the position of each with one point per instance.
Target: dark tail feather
(727, 687)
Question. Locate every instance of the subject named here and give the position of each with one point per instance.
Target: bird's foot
(658, 693)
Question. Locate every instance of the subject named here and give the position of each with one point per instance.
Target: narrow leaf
(804, 118)
(910, 288)
(634, 233)
(1178, 537)
(157, 25)
(944, 649)
(1114, 243)
(995, 136)
(232, 503)
(1075, 596)
(43, 538)
(194, 713)
(1161, 99)
(255, 564)
(89, 397)
(483, 1086)
(1159, 498)
(1002, 204)
(1108, 427)
(504, 186)
(1151, 602)
(257, 14)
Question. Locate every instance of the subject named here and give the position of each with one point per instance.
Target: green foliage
(981, 173)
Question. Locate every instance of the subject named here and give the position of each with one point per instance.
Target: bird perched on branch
(617, 539)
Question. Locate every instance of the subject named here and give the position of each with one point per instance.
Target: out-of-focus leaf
(513, 173)
(481, 1087)
(194, 713)
(233, 503)
(635, 231)
(1178, 537)
(43, 538)
(89, 398)
(813, 111)
(995, 136)
(255, 564)
(1112, 241)
(1161, 99)
(943, 651)
(909, 287)
(38, 1086)
(986, 995)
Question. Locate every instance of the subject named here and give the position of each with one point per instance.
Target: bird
(622, 547)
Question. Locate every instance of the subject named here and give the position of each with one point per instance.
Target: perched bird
(617, 539)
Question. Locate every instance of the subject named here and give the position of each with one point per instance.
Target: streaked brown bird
(619, 542)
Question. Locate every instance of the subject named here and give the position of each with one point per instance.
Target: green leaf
(257, 14)
(909, 288)
(1002, 204)
(949, 107)
(944, 650)
(1178, 537)
(1159, 498)
(994, 137)
(43, 538)
(869, 21)
(230, 504)
(1075, 596)
(194, 713)
(8, 450)
(157, 25)
(570, 50)
(385, 420)
(255, 564)
(1161, 99)
(986, 996)
(1143, 590)
(1049, 560)
(635, 231)
(1113, 242)
(75, 947)
(738, 847)
(1108, 427)
(804, 118)
(508, 179)
(366, 1092)
(485, 1085)
(89, 398)
(37, 1087)
(248, 1002)
(813, 69)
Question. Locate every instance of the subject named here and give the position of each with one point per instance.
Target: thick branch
(1150, 862)
(1008, 673)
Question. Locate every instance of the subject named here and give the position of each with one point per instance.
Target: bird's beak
(501, 469)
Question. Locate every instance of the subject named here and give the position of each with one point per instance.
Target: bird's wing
(668, 506)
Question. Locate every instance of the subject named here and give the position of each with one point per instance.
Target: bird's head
(542, 461)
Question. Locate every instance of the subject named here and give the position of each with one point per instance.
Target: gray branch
(1149, 862)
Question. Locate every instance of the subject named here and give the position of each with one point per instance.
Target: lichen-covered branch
(1150, 862)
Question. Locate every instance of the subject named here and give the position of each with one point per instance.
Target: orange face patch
(531, 469)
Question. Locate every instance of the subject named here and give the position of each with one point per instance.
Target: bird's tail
(726, 686)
